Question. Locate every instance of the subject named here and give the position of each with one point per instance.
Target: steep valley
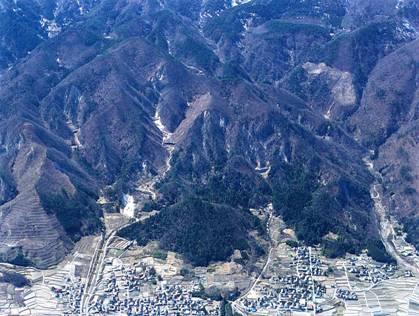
(199, 111)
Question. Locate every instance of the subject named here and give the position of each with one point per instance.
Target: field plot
(413, 307)
(299, 280)
(110, 275)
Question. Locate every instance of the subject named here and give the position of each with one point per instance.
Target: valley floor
(109, 275)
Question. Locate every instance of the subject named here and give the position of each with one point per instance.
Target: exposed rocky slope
(389, 116)
(227, 103)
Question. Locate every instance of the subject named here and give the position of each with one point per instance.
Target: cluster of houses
(297, 296)
(292, 292)
(346, 295)
(70, 295)
(408, 251)
(306, 264)
(127, 278)
(138, 290)
(372, 273)
(166, 300)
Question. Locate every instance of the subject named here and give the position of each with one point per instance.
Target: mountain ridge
(235, 92)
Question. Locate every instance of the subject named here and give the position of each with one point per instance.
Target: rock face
(389, 116)
(230, 103)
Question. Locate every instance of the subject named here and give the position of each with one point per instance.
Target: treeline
(315, 210)
(79, 214)
(411, 227)
(201, 231)
(226, 309)
(14, 278)
(207, 221)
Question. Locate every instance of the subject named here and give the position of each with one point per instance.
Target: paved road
(97, 265)
(90, 274)
(98, 260)
(235, 305)
(97, 271)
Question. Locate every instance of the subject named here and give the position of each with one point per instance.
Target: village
(139, 290)
(301, 280)
(113, 276)
(291, 292)
(129, 281)
(310, 284)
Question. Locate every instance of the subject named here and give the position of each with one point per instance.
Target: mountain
(219, 107)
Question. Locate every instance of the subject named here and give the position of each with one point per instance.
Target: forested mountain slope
(222, 106)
